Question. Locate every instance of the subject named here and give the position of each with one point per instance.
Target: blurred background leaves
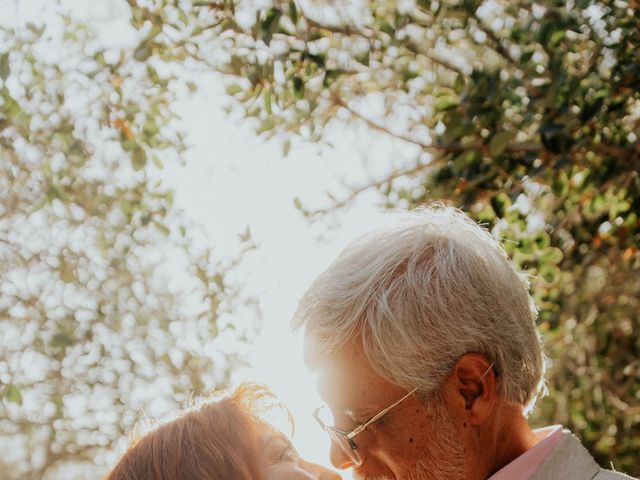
(526, 115)
(96, 324)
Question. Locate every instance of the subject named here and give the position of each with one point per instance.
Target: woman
(222, 440)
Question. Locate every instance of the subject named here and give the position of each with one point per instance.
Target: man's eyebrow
(339, 404)
(363, 413)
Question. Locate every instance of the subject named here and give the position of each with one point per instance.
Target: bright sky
(233, 179)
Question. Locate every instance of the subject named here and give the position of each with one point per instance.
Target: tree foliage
(526, 115)
(95, 327)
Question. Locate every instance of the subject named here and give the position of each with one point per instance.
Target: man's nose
(339, 457)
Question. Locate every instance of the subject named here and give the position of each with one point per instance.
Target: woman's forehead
(269, 435)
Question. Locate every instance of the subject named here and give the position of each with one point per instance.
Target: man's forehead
(346, 379)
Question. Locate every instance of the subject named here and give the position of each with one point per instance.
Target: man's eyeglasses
(344, 438)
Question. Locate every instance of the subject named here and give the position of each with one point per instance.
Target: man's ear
(472, 388)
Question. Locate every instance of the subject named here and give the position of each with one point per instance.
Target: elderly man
(423, 338)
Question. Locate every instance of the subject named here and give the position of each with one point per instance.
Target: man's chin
(422, 471)
(362, 476)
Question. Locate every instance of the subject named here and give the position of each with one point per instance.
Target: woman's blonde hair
(219, 440)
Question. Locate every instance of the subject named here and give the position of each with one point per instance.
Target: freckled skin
(383, 452)
(473, 435)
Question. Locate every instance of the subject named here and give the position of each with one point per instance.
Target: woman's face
(284, 463)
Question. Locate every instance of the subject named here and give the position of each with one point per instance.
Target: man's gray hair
(419, 294)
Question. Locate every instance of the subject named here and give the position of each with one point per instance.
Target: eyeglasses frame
(349, 435)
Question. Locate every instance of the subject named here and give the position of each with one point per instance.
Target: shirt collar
(526, 465)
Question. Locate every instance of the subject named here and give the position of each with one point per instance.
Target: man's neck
(514, 437)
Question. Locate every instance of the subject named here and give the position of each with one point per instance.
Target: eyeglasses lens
(344, 444)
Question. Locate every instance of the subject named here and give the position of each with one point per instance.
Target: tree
(524, 114)
(96, 328)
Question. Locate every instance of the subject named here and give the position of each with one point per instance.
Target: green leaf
(387, 28)
(67, 274)
(139, 158)
(143, 52)
(166, 231)
(150, 128)
(11, 107)
(233, 89)
(266, 97)
(526, 56)
(500, 204)
(525, 246)
(128, 144)
(99, 57)
(552, 255)
(550, 273)
(270, 23)
(37, 30)
(618, 207)
(298, 87)
(61, 340)
(499, 143)
(542, 240)
(153, 74)
(330, 76)
(202, 275)
(363, 58)
(560, 184)
(293, 12)
(458, 85)
(556, 37)
(266, 125)
(444, 91)
(456, 126)
(183, 16)
(13, 394)
(286, 147)
(445, 102)
(486, 215)
(5, 69)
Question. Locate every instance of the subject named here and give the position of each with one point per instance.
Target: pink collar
(526, 465)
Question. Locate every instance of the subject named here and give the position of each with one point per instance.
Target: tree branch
(434, 148)
(381, 128)
(629, 156)
(497, 46)
(370, 34)
(414, 48)
(377, 184)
